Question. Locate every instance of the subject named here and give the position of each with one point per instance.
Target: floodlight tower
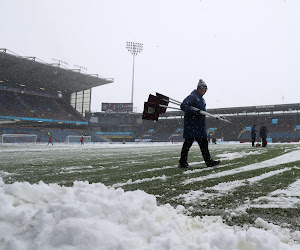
(134, 49)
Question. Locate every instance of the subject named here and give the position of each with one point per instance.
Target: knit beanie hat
(201, 84)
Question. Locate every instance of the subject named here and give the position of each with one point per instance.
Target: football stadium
(38, 98)
(122, 189)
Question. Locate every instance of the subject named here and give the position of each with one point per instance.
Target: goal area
(18, 139)
(76, 139)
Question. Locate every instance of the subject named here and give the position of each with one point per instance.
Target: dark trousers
(203, 144)
(253, 141)
(264, 142)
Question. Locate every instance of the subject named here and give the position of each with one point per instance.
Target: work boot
(183, 165)
(213, 163)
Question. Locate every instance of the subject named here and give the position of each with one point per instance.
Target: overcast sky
(248, 52)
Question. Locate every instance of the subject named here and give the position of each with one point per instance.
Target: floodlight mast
(134, 48)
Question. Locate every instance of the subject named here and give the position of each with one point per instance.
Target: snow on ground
(236, 155)
(286, 158)
(93, 216)
(226, 186)
(163, 178)
(282, 198)
(287, 198)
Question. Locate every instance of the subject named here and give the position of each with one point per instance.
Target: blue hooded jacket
(263, 131)
(253, 132)
(194, 123)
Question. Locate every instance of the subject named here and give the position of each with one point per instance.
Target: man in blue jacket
(195, 126)
(253, 134)
(263, 132)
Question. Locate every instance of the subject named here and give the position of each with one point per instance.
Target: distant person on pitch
(253, 134)
(263, 133)
(81, 140)
(195, 126)
(50, 140)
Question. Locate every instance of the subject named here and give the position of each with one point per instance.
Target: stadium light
(59, 62)
(80, 68)
(134, 49)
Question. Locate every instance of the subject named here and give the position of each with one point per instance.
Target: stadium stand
(36, 106)
(38, 98)
(282, 121)
(166, 131)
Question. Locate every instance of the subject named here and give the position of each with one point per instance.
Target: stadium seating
(283, 130)
(36, 106)
(164, 131)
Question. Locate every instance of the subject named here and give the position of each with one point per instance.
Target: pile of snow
(93, 216)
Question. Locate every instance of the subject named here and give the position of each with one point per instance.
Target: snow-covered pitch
(72, 197)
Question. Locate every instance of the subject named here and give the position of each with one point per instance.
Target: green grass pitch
(249, 183)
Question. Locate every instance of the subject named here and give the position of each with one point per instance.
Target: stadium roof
(33, 74)
(258, 109)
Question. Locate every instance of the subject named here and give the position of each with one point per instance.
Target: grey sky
(247, 51)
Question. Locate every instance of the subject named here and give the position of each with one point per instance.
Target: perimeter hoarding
(117, 107)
